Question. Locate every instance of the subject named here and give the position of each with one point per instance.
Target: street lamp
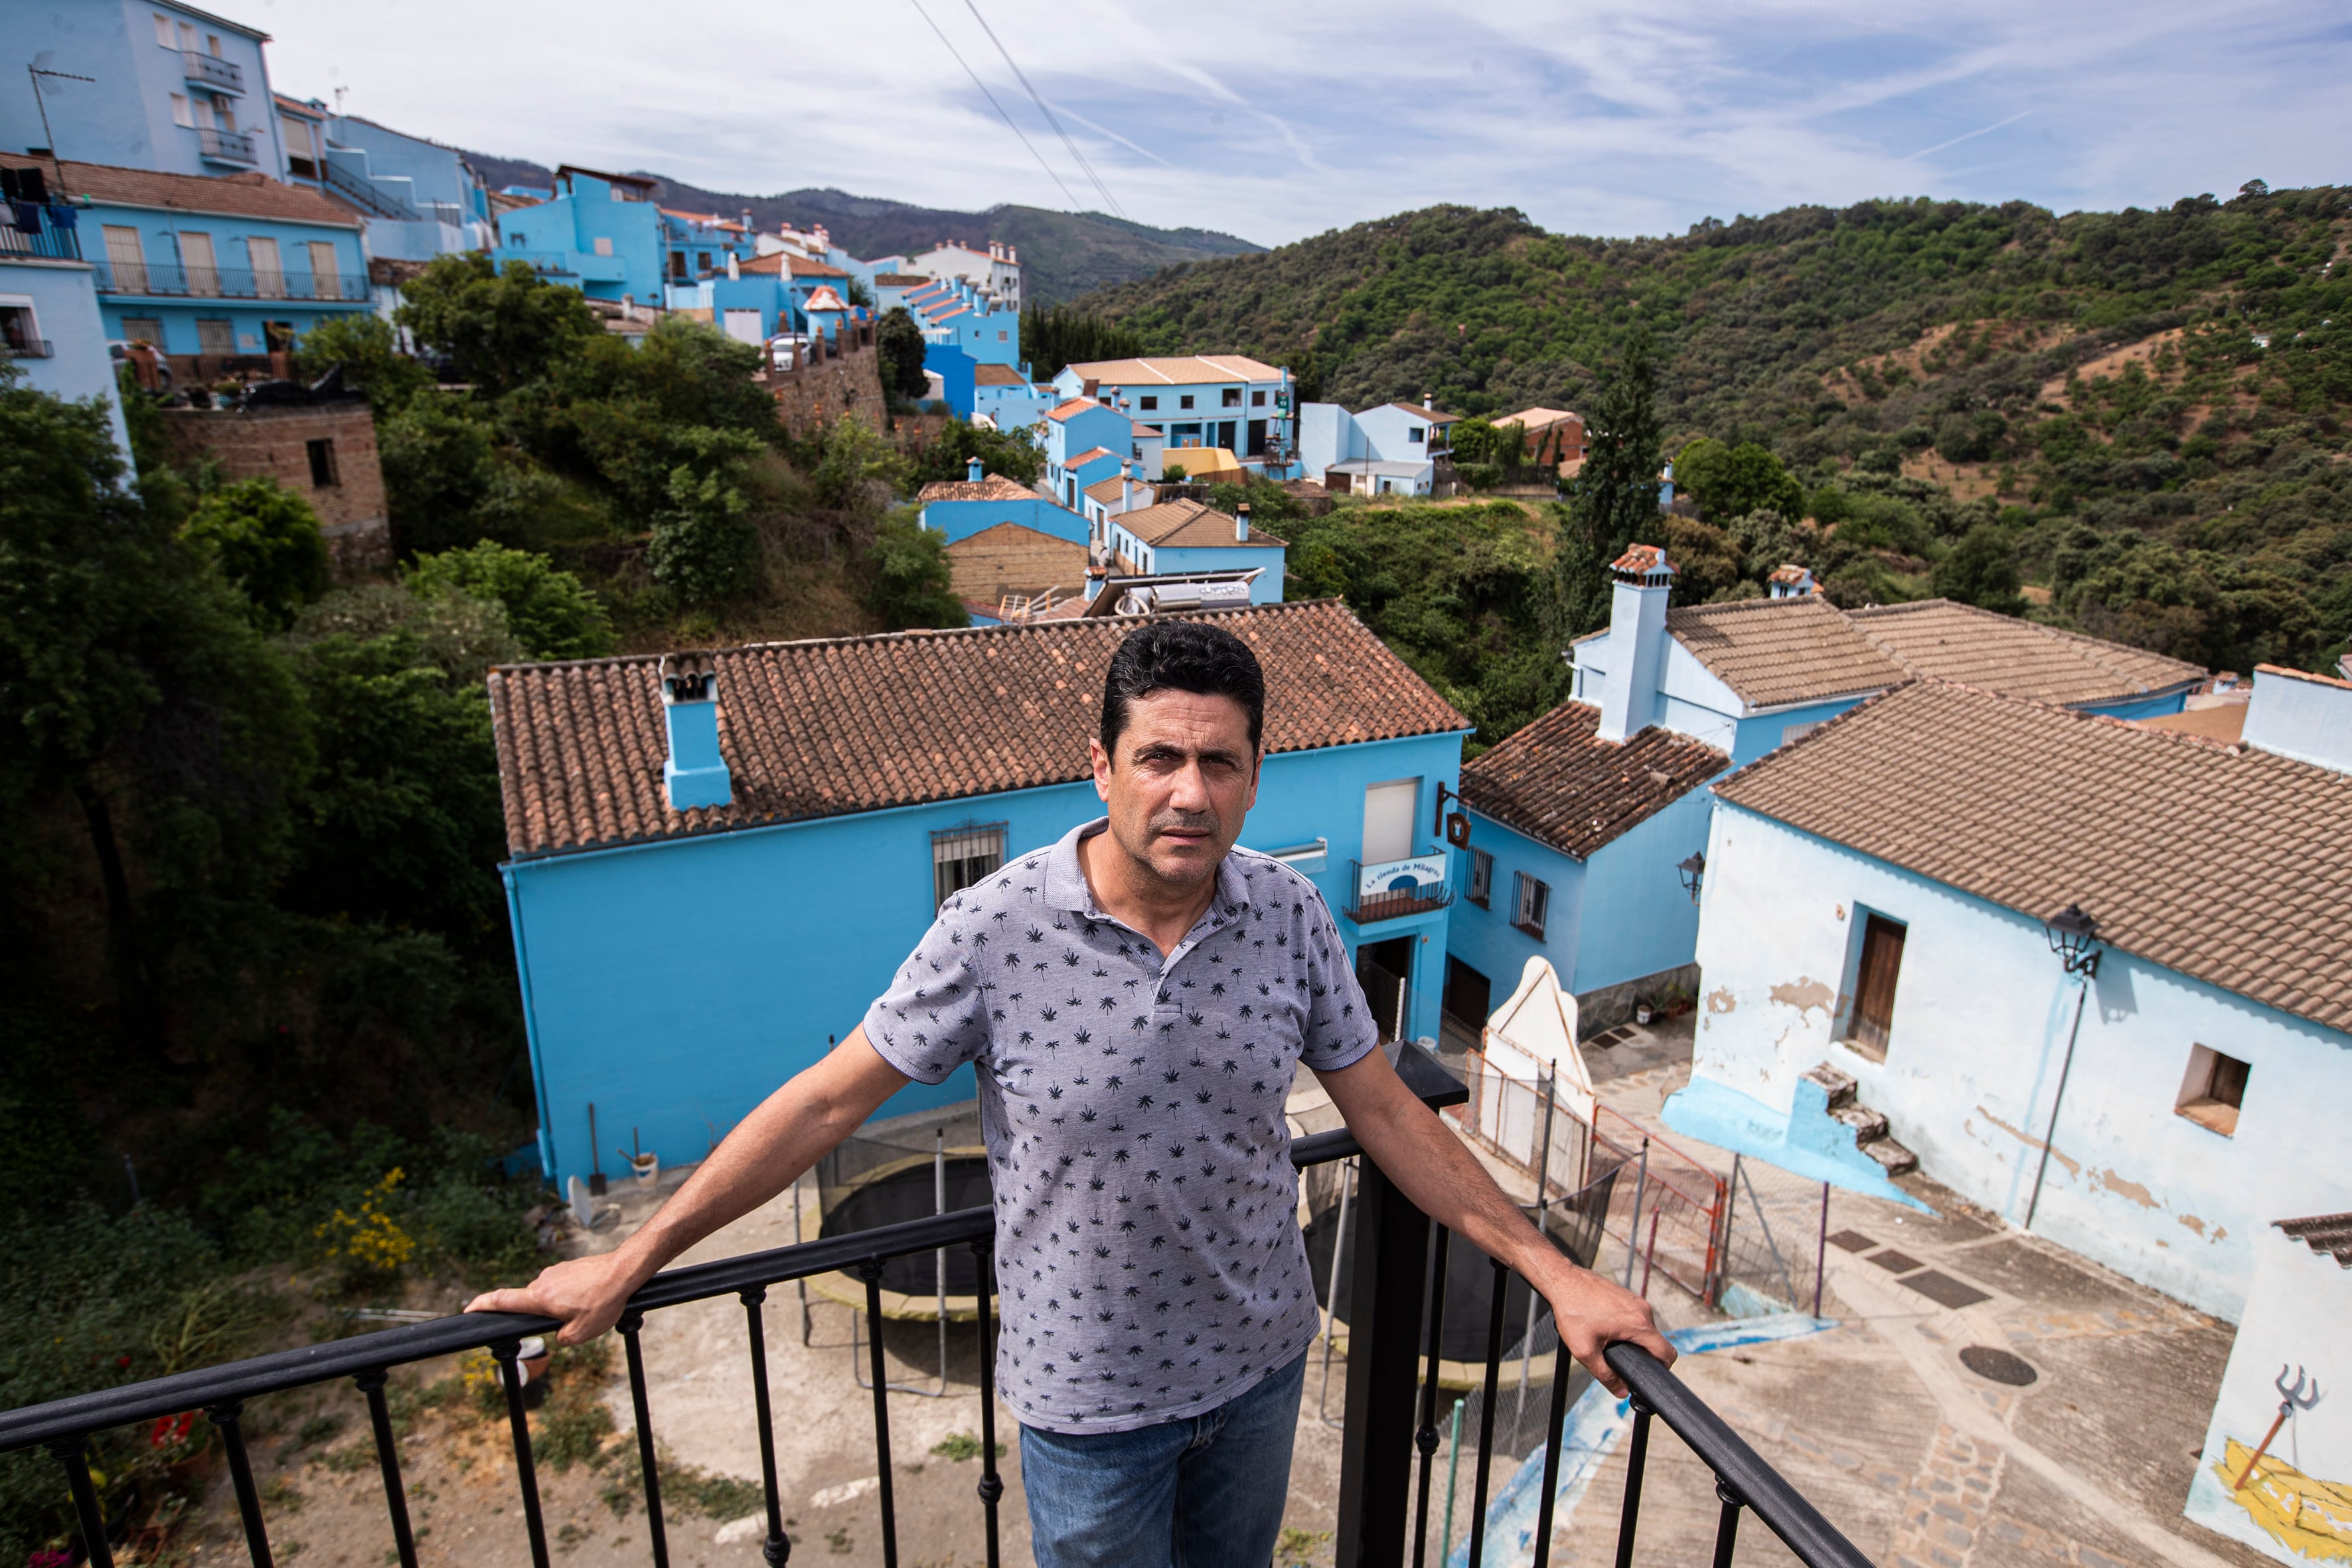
(1693, 871)
(2074, 938)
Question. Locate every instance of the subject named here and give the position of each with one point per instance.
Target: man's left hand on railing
(1443, 1179)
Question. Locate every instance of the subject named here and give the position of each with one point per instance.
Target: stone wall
(1610, 1005)
(810, 399)
(274, 444)
(1011, 558)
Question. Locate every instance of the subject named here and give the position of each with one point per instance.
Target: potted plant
(642, 1163)
(1643, 1013)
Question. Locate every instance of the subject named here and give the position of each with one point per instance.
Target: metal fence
(1396, 1267)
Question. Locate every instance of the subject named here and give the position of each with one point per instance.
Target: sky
(1613, 116)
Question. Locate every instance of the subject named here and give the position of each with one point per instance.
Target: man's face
(1184, 776)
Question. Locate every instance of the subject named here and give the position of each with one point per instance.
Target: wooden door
(1873, 999)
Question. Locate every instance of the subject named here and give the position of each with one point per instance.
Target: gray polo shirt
(1149, 1260)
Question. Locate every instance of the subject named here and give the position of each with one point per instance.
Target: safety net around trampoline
(905, 1168)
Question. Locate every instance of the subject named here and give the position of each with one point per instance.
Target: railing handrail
(281, 1370)
(1754, 1482)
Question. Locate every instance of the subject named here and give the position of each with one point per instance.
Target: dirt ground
(1919, 1460)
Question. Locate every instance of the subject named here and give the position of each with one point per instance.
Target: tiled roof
(831, 727)
(996, 375)
(1535, 419)
(1773, 652)
(1113, 488)
(1089, 455)
(1980, 647)
(1075, 405)
(2225, 864)
(1190, 522)
(995, 487)
(240, 196)
(898, 279)
(2328, 1234)
(824, 299)
(1190, 370)
(1556, 782)
(1434, 415)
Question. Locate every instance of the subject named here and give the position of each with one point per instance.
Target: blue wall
(162, 289)
(1266, 590)
(124, 117)
(676, 986)
(955, 370)
(66, 316)
(962, 519)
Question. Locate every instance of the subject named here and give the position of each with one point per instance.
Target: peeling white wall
(1980, 1019)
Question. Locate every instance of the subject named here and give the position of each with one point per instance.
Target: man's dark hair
(1181, 656)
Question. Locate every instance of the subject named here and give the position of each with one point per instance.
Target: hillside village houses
(1585, 823)
(1227, 402)
(688, 794)
(1391, 449)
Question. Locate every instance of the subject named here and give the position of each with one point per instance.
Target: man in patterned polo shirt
(1135, 1001)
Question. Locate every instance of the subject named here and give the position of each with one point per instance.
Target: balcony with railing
(173, 279)
(1396, 1277)
(1393, 889)
(221, 75)
(217, 146)
(48, 242)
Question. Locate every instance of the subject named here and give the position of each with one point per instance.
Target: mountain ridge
(1063, 253)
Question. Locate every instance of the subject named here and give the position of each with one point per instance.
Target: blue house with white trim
(1583, 822)
(2093, 973)
(961, 508)
(173, 90)
(1185, 537)
(684, 947)
(204, 269)
(53, 334)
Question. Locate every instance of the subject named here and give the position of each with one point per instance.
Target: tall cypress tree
(1614, 501)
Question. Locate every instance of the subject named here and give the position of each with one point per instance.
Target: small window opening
(2212, 1090)
(322, 463)
(963, 856)
(1481, 879)
(1530, 904)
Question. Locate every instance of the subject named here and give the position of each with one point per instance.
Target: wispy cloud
(1627, 116)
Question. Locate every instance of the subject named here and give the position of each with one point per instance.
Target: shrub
(266, 541)
(704, 547)
(911, 584)
(548, 609)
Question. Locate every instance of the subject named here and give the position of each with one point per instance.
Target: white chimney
(1428, 403)
(1637, 641)
(1241, 523)
(734, 267)
(695, 773)
(1127, 484)
(972, 472)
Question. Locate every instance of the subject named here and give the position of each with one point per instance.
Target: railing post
(387, 1459)
(1383, 1344)
(227, 1419)
(72, 1453)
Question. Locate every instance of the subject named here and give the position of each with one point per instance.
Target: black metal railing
(1395, 888)
(225, 146)
(365, 195)
(1396, 1267)
(174, 279)
(47, 243)
(225, 75)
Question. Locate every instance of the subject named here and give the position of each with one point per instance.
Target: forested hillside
(2151, 405)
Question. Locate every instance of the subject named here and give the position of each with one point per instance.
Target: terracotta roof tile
(1189, 523)
(2225, 864)
(1771, 652)
(996, 375)
(2020, 658)
(1115, 489)
(829, 728)
(1188, 370)
(996, 486)
(1073, 406)
(242, 195)
(1556, 782)
(1089, 455)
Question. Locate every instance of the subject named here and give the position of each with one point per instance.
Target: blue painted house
(1582, 822)
(50, 328)
(961, 508)
(599, 233)
(1086, 442)
(955, 314)
(1009, 399)
(1229, 401)
(683, 947)
(420, 199)
(217, 269)
(1185, 537)
(1879, 900)
(174, 89)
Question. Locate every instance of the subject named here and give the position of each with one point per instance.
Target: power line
(1016, 129)
(1043, 109)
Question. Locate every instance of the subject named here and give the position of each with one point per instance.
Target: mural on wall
(2309, 1517)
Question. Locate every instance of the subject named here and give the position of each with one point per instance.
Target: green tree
(138, 695)
(551, 614)
(500, 329)
(439, 465)
(1614, 501)
(1707, 559)
(369, 351)
(265, 540)
(899, 344)
(1980, 569)
(1054, 336)
(1768, 542)
(704, 547)
(949, 456)
(859, 293)
(911, 584)
(856, 468)
(1732, 481)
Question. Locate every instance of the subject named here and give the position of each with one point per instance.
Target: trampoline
(908, 1167)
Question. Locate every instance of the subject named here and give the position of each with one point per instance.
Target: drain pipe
(2082, 994)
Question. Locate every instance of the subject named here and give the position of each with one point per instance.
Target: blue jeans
(1206, 1491)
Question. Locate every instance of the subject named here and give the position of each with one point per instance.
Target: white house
(1393, 448)
(1892, 895)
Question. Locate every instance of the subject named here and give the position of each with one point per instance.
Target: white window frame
(183, 112)
(163, 33)
(32, 316)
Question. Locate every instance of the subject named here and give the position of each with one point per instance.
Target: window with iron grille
(1530, 903)
(962, 855)
(1481, 879)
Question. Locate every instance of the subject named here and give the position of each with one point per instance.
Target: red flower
(171, 1429)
